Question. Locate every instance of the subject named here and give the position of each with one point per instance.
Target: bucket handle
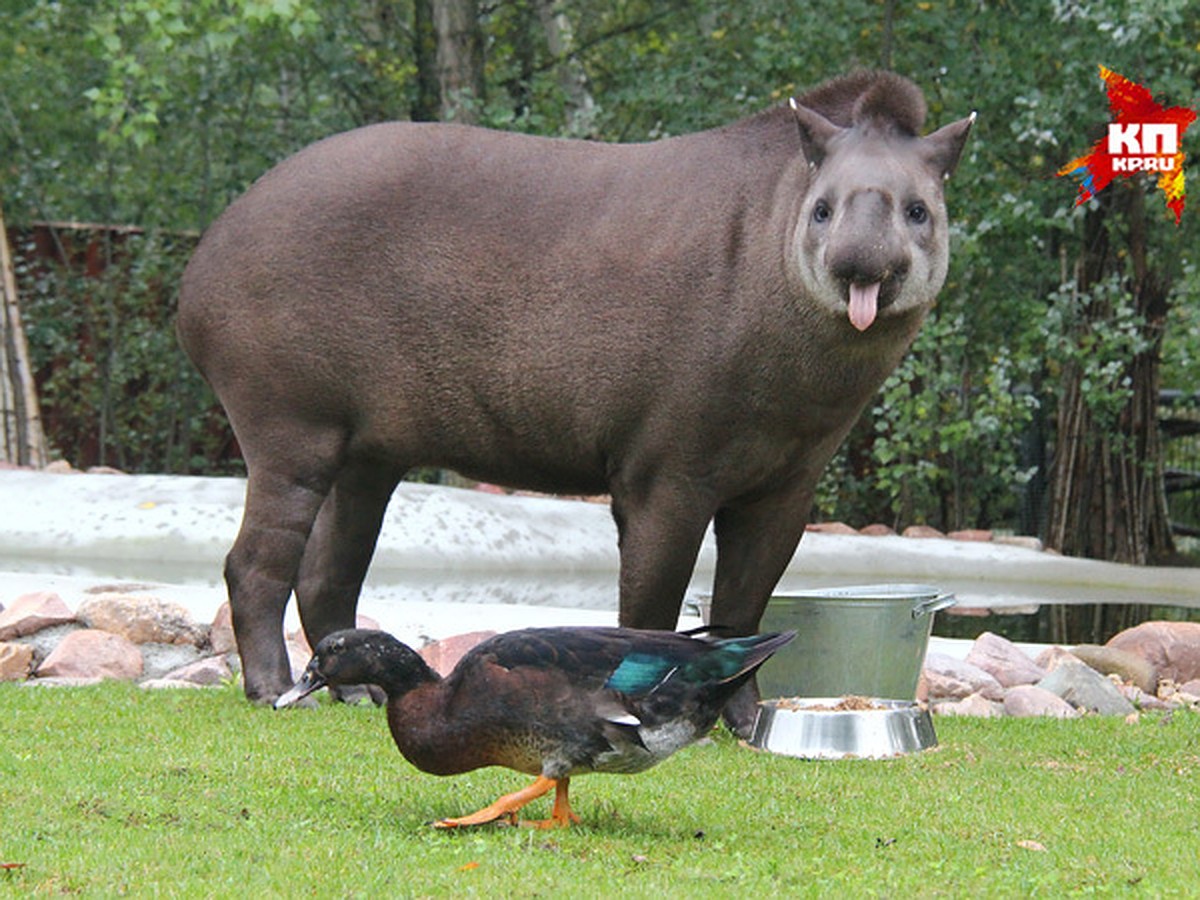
(933, 604)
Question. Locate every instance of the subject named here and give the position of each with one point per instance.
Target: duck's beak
(310, 681)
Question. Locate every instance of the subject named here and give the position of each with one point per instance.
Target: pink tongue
(862, 304)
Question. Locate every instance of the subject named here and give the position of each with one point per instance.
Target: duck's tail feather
(705, 629)
(735, 657)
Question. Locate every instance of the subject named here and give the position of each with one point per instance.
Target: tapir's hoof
(265, 694)
(741, 728)
(741, 712)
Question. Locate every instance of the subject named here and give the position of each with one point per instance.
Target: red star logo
(1143, 137)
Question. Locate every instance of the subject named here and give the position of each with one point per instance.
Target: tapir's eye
(821, 212)
(918, 213)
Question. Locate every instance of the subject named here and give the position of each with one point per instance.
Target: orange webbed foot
(562, 816)
(510, 804)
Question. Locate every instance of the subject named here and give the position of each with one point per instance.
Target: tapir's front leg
(338, 553)
(340, 547)
(755, 543)
(659, 534)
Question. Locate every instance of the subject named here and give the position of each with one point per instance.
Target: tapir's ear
(943, 148)
(816, 132)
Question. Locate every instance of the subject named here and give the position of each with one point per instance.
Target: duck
(549, 702)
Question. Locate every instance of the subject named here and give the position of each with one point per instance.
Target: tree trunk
(459, 58)
(1106, 497)
(580, 105)
(428, 101)
(24, 441)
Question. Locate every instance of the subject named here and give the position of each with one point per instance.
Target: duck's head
(360, 656)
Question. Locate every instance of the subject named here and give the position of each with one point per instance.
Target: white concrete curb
(499, 559)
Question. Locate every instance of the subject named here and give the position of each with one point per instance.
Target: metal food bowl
(842, 728)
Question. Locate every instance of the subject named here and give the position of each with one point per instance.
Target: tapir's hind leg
(283, 495)
(340, 547)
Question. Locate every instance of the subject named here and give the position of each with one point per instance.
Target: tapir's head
(871, 240)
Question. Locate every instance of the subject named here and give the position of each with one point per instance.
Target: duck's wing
(534, 700)
(569, 674)
(582, 656)
(629, 662)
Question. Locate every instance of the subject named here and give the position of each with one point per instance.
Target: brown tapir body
(690, 325)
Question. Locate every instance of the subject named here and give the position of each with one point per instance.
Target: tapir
(690, 325)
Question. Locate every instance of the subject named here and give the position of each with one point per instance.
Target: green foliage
(147, 44)
(1100, 346)
(115, 387)
(158, 112)
(941, 444)
(114, 790)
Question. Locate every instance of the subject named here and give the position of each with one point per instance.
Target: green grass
(111, 790)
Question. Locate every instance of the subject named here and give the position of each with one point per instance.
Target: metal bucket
(868, 640)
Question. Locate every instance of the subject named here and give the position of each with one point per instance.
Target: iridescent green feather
(638, 673)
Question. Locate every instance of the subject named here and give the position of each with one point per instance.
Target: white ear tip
(792, 102)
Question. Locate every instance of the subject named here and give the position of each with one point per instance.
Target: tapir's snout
(866, 246)
(868, 256)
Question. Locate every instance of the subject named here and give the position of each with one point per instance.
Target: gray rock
(1029, 700)
(975, 705)
(43, 642)
(31, 613)
(1173, 648)
(207, 672)
(1086, 689)
(92, 653)
(159, 659)
(1130, 667)
(16, 661)
(949, 677)
(1004, 660)
(141, 619)
(221, 631)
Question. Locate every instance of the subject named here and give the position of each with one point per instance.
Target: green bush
(115, 387)
(941, 444)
